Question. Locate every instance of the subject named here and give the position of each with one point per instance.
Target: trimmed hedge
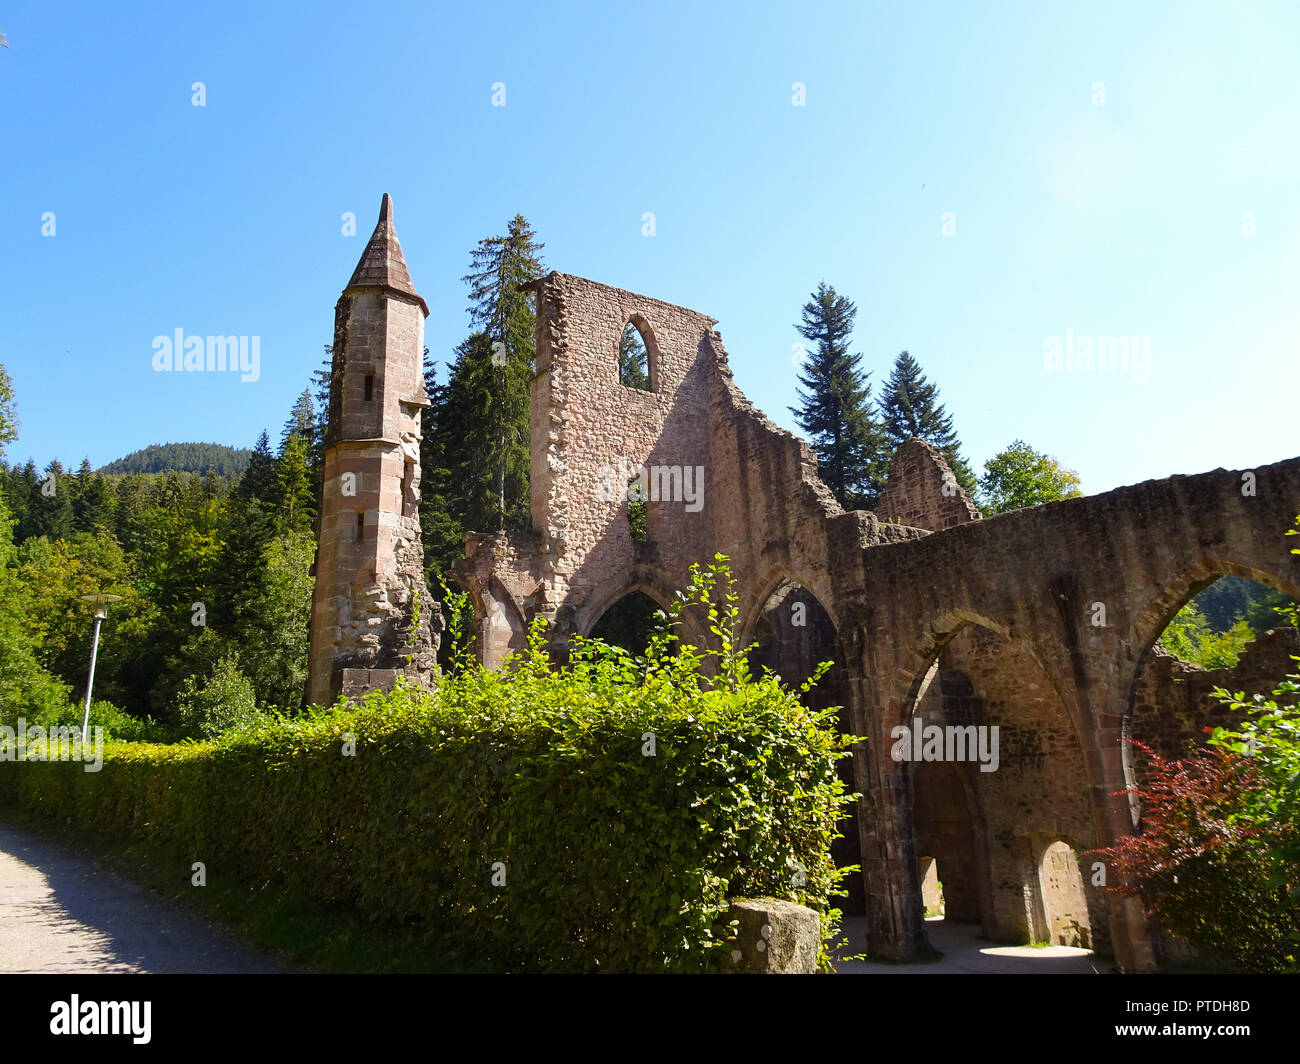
(614, 860)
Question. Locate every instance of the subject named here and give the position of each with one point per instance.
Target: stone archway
(792, 633)
(1001, 765)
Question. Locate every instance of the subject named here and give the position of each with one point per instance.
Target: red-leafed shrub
(1206, 867)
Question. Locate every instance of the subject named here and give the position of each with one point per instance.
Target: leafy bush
(1189, 637)
(594, 818)
(1206, 871)
(1218, 856)
(226, 700)
(118, 724)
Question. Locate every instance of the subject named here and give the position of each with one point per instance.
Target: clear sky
(1100, 169)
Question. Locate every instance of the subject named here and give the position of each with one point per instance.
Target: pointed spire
(382, 264)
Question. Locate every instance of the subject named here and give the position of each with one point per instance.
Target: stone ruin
(1039, 622)
(372, 617)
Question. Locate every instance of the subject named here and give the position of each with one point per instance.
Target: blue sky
(1102, 167)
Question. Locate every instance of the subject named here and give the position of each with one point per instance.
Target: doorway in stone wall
(931, 887)
(1065, 906)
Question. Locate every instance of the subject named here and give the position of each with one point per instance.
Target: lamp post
(100, 602)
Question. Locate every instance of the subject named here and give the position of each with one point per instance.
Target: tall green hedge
(614, 859)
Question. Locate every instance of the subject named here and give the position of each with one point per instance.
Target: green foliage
(909, 406)
(456, 650)
(1218, 855)
(224, 701)
(118, 725)
(835, 403)
(295, 492)
(489, 384)
(624, 800)
(1271, 740)
(1020, 476)
(638, 516)
(8, 414)
(1206, 868)
(1188, 636)
(632, 365)
(273, 623)
(26, 688)
(201, 458)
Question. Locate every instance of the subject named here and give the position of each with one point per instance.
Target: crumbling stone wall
(1046, 611)
(922, 490)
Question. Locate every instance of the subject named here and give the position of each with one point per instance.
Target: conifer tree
(504, 314)
(909, 406)
(51, 504)
(295, 499)
(91, 507)
(835, 403)
(443, 533)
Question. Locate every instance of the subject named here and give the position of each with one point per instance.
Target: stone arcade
(927, 610)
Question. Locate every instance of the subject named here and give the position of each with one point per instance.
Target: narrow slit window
(361, 524)
(370, 387)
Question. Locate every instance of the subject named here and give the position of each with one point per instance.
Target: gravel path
(62, 912)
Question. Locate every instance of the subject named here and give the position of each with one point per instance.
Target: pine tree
(91, 507)
(909, 406)
(442, 533)
(320, 383)
(51, 510)
(465, 430)
(296, 510)
(258, 481)
(632, 359)
(835, 409)
(251, 520)
(301, 421)
(504, 314)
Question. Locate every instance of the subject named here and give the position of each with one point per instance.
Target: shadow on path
(60, 911)
(964, 952)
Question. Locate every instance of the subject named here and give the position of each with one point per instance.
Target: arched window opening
(628, 623)
(633, 359)
(1215, 626)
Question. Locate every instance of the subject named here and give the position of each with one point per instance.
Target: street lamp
(100, 602)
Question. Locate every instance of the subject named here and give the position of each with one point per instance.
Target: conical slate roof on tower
(382, 264)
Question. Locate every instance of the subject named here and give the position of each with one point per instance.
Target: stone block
(772, 937)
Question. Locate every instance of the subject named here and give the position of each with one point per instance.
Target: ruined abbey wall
(1037, 622)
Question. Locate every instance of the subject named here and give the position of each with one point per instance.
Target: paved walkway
(966, 953)
(61, 912)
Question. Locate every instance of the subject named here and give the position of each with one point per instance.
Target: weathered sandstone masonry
(1037, 622)
(373, 619)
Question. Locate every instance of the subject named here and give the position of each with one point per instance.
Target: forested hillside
(202, 458)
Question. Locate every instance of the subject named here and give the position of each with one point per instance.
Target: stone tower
(372, 617)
